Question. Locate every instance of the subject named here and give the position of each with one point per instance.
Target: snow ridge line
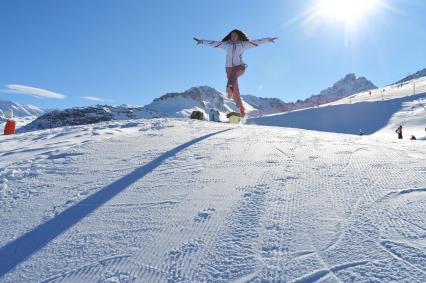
(319, 274)
(386, 246)
(18, 250)
(399, 193)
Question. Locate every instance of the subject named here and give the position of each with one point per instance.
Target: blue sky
(135, 50)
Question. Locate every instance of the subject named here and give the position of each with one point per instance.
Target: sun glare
(348, 11)
(354, 17)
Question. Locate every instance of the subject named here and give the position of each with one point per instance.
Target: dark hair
(241, 36)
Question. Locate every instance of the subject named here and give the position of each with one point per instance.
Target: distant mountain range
(263, 105)
(345, 87)
(180, 105)
(173, 105)
(19, 110)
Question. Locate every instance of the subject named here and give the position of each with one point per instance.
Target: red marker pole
(10, 127)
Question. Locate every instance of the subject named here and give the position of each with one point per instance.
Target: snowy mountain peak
(349, 85)
(181, 104)
(200, 94)
(19, 110)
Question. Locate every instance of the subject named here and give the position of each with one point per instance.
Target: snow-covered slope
(171, 105)
(417, 75)
(173, 200)
(19, 110)
(379, 112)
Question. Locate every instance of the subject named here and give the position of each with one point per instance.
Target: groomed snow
(191, 201)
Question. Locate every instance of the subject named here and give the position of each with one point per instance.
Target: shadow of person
(16, 251)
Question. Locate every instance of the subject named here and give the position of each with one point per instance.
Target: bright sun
(348, 11)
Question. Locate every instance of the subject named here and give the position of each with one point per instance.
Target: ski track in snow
(250, 204)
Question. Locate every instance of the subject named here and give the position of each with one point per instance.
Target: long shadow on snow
(346, 118)
(21, 248)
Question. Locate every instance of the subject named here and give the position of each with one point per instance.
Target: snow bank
(371, 117)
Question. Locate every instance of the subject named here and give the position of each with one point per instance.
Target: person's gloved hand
(197, 40)
(273, 39)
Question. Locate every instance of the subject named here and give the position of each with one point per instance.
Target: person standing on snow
(235, 43)
(399, 132)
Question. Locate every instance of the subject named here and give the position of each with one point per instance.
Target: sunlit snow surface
(191, 201)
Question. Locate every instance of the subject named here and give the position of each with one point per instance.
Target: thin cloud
(95, 98)
(33, 91)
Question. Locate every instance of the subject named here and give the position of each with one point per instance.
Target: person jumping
(235, 43)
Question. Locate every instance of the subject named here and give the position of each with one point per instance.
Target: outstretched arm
(257, 42)
(211, 43)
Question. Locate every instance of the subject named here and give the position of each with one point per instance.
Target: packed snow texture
(166, 199)
(191, 201)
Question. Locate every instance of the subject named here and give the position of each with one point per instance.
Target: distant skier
(399, 132)
(360, 133)
(413, 138)
(235, 43)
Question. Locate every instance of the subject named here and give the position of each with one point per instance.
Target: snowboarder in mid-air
(235, 43)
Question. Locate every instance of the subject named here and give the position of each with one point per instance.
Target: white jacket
(235, 51)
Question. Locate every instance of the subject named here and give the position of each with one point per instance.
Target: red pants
(233, 73)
